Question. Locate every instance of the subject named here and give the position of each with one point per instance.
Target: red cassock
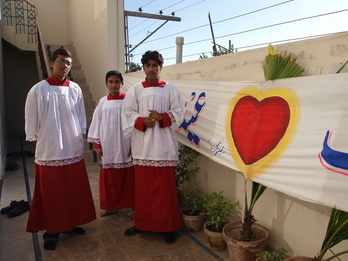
(116, 180)
(156, 199)
(116, 188)
(55, 119)
(62, 199)
(155, 153)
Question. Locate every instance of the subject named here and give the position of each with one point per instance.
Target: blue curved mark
(198, 108)
(332, 157)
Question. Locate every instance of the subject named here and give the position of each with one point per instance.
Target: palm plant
(337, 231)
(249, 220)
(280, 65)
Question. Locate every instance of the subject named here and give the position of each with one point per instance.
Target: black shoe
(19, 209)
(50, 240)
(131, 232)
(168, 237)
(50, 245)
(76, 230)
(12, 205)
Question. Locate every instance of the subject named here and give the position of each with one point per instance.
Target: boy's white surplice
(47, 106)
(146, 152)
(106, 128)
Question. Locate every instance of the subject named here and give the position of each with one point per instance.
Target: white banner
(290, 134)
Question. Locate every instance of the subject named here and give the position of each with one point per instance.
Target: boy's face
(152, 70)
(114, 85)
(61, 66)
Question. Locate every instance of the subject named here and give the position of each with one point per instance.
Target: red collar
(159, 83)
(54, 81)
(120, 96)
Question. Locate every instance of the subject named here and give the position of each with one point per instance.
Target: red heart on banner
(258, 126)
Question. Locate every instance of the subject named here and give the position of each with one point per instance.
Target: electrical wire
(149, 18)
(142, 30)
(263, 27)
(146, 4)
(189, 6)
(173, 5)
(164, 9)
(266, 44)
(255, 11)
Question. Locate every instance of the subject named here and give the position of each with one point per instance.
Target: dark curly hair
(153, 55)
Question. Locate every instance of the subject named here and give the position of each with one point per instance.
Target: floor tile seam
(200, 244)
(35, 237)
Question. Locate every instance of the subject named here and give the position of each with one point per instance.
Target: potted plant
(277, 255)
(193, 212)
(218, 211)
(337, 231)
(187, 166)
(245, 239)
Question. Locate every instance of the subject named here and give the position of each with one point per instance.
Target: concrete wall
(296, 225)
(318, 56)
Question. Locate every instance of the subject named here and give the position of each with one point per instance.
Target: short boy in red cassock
(116, 182)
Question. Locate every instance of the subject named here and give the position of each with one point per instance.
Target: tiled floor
(104, 239)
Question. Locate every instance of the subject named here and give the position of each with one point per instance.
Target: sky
(248, 24)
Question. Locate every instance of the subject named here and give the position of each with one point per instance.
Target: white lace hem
(56, 163)
(155, 163)
(117, 165)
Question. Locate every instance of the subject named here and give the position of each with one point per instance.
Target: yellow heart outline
(257, 168)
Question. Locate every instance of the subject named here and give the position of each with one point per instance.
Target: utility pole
(212, 33)
(143, 15)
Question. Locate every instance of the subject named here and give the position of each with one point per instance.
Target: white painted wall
(93, 30)
(296, 225)
(54, 20)
(92, 27)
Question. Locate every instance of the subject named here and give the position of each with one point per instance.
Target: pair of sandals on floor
(168, 237)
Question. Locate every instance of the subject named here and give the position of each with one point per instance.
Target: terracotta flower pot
(299, 258)
(216, 241)
(240, 250)
(193, 224)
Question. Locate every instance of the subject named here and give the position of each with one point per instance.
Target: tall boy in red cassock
(153, 110)
(55, 118)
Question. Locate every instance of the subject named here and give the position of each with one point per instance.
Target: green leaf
(281, 65)
(256, 192)
(337, 231)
